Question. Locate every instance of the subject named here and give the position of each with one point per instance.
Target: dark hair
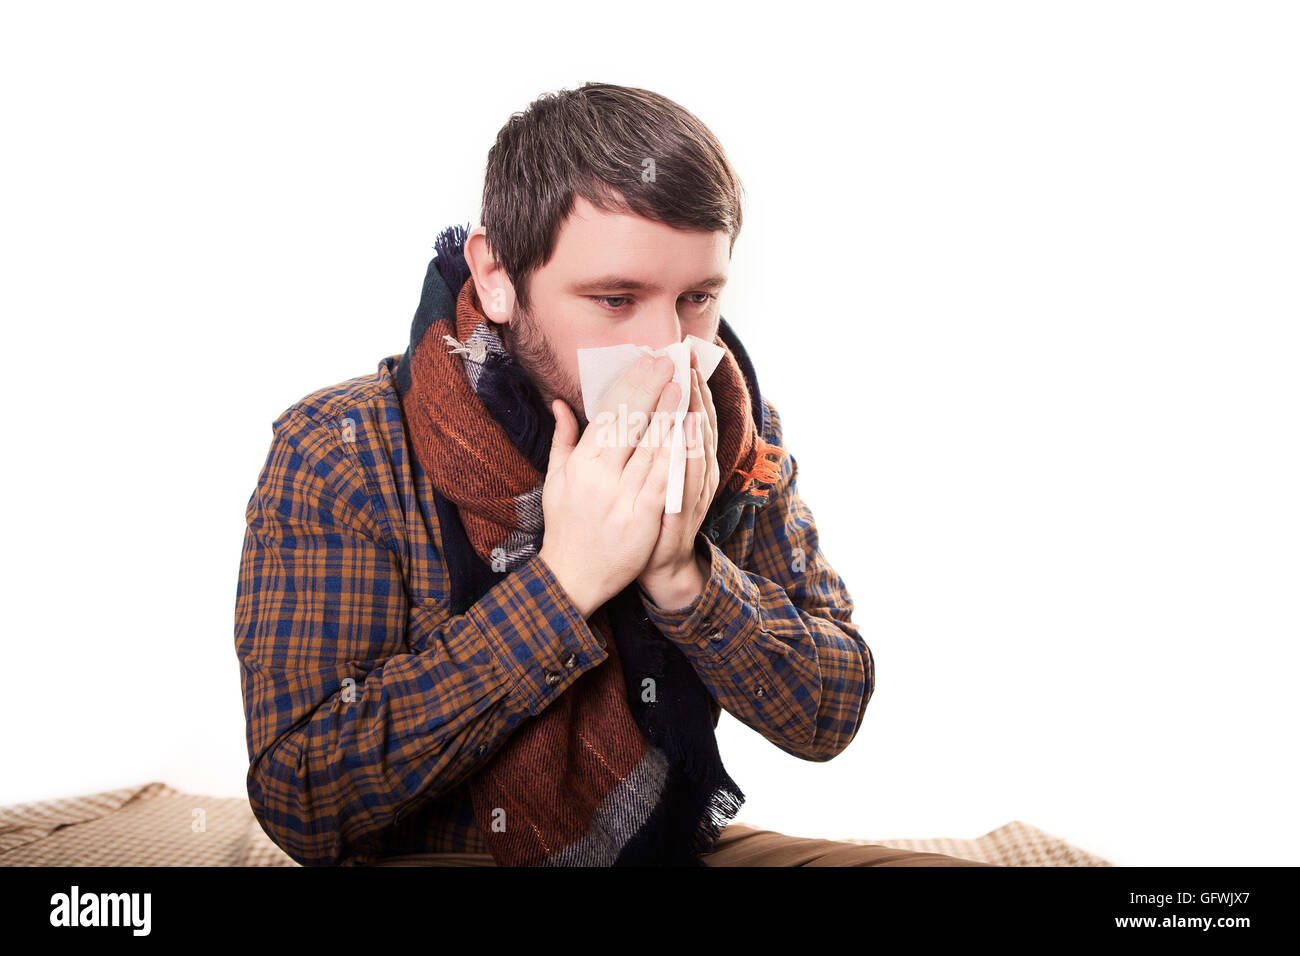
(622, 149)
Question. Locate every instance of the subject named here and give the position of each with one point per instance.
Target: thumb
(566, 433)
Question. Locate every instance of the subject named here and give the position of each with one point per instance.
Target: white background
(1020, 277)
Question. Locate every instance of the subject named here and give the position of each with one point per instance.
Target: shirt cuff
(723, 617)
(537, 634)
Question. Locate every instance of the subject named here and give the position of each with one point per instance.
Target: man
(468, 630)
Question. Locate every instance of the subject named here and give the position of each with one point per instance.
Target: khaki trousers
(742, 845)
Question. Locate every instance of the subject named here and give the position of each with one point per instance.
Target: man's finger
(624, 413)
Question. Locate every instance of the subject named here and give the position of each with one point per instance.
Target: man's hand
(676, 574)
(603, 499)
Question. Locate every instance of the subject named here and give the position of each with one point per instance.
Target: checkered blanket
(156, 825)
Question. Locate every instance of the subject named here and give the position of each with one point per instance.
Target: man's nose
(660, 330)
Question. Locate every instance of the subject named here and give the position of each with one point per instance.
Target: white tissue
(599, 369)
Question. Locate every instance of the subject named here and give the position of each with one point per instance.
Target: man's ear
(496, 294)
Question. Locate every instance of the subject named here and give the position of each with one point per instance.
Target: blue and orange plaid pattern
(368, 705)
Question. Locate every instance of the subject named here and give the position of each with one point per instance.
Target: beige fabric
(156, 825)
(1012, 844)
(150, 825)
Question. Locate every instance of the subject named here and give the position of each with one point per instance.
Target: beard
(529, 347)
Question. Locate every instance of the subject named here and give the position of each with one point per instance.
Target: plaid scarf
(600, 777)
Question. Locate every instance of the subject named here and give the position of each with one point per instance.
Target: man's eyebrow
(624, 284)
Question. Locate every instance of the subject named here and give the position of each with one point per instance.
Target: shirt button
(571, 660)
(759, 691)
(715, 636)
(552, 678)
(482, 749)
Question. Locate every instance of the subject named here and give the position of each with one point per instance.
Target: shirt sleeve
(360, 706)
(774, 641)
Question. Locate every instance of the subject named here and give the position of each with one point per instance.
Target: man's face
(614, 279)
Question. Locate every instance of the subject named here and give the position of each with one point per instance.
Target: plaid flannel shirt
(368, 705)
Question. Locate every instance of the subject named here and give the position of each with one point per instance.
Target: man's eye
(606, 299)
